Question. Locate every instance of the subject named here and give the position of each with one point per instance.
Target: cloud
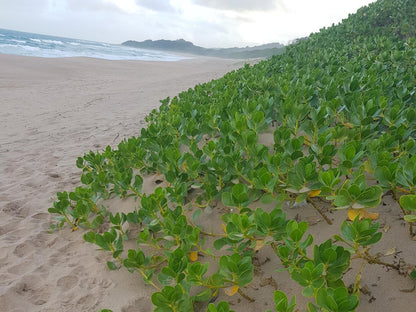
(23, 5)
(93, 5)
(239, 5)
(159, 5)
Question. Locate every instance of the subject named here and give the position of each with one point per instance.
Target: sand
(54, 110)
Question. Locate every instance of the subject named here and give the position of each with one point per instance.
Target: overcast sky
(208, 23)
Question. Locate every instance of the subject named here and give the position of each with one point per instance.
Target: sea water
(28, 44)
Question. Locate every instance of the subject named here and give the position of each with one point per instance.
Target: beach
(55, 110)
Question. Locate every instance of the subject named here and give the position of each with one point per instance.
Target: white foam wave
(28, 48)
(18, 41)
(36, 40)
(52, 41)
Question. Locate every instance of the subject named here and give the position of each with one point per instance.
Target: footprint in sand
(88, 301)
(31, 293)
(141, 304)
(41, 216)
(20, 268)
(23, 249)
(67, 282)
(16, 209)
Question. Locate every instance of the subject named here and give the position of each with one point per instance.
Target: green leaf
(349, 152)
(159, 300)
(413, 275)
(196, 214)
(308, 291)
(145, 234)
(312, 308)
(227, 199)
(384, 176)
(204, 295)
(223, 306)
(370, 197)
(347, 231)
(240, 193)
(267, 199)
(342, 200)
(100, 241)
(167, 279)
(138, 183)
(112, 266)
(90, 237)
(219, 243)
(408, 202)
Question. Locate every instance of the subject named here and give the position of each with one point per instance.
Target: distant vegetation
(183, 46)
(339, 109)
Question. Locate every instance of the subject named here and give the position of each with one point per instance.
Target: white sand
(51, 112)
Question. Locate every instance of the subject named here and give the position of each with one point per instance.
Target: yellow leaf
(362, 213)
(193, 256)
(367, 167)
(314, 193)
(259, 244)
(349, 125)
(370, 215)
(230, 291)
(353, 213)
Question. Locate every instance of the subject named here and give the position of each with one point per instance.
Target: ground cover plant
(339, 111)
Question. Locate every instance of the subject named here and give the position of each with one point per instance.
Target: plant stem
(302, 253)
(147, 279)
(135, 192)
(319, 210)
(275, 249)
(372, 260)
(356, 289)
(245, 296)
(74, 227)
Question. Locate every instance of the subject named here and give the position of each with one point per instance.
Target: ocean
(28, 44)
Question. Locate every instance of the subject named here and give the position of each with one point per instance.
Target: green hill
(339, 112)
(183, 46)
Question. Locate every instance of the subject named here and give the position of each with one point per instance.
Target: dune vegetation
(339, 112)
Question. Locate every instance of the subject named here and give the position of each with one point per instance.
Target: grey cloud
(156, 5)
(239, 5)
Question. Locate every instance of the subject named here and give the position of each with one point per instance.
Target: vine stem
(358, 280)
(310, 201)
(245, 296)
(150, 281)
(274, 247)
(74, 227)
(371, 260)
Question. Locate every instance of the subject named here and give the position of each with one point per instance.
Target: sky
(207, 23)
